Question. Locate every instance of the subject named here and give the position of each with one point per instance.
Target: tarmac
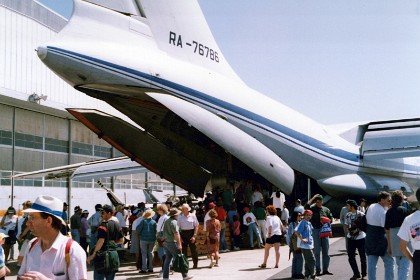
(240, 265)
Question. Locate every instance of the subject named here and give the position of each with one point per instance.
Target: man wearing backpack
(49, 255)
(109, 235)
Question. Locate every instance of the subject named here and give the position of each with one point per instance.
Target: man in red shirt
(221, 216)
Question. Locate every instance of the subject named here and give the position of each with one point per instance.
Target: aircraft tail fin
(181, 30)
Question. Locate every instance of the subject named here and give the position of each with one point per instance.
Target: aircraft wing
(88, 170)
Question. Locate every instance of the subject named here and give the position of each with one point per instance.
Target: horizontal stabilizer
(122, 6)
(393, 139)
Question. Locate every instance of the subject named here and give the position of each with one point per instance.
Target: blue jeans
(222, 244)
(171, 251)
(321, 245)
(146, 253)
(388, 265)
(403, 267)
(252, 228)
(102, 276)
(297, 264)
(75, 235)
(93, 241)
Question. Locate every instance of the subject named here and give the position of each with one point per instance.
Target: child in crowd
(251, 221)
(236, 232)
(3, 268)
(306, 244)
(297, 262)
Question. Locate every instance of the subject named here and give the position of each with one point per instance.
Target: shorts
(273, 239)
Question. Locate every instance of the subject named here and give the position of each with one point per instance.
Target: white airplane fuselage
(126, 54)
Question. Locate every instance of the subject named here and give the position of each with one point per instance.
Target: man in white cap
(46, 255)
(188, 224)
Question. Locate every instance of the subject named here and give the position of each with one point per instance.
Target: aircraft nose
(42, 52)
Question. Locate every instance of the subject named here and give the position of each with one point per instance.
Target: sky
(335, 61)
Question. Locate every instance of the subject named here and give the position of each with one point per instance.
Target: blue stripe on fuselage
(220, 105)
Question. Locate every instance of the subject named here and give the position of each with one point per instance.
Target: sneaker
(188, 277)
(227, 250)
(327, 273)
(216, 265)
(236, 248)
(150, 271)
(355, 277)
(142, 271)
(211, 264)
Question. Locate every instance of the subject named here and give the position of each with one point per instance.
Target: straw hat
(47, 204)
(185, 205)
(148, 213)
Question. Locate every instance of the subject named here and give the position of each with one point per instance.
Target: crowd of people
(156, 236)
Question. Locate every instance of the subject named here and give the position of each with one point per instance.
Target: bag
(361, 223)
(12, 237)
(156, 260)
(106, 262)
(326, 230)
(181, 263)
(101, 261)
(160, 239)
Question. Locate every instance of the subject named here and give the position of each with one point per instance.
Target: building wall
(25, 25)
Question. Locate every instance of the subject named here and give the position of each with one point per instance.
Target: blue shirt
(147, 230)
(230, 215)
(304, 228)
(2, 260)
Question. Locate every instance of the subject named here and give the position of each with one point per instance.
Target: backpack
(361, 222)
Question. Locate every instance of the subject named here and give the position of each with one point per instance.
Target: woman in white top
(8, 226)
(274, 231)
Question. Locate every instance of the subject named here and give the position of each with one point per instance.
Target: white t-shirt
(349, 220)
(285, 215)
(121, 219)
(410, 229)
(256, 196)
(136, 223)
(251, 216)
(278, 202)
(10, 226)
(375, 216)
(274, 222)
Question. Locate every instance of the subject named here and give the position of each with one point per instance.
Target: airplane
(199, 124)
